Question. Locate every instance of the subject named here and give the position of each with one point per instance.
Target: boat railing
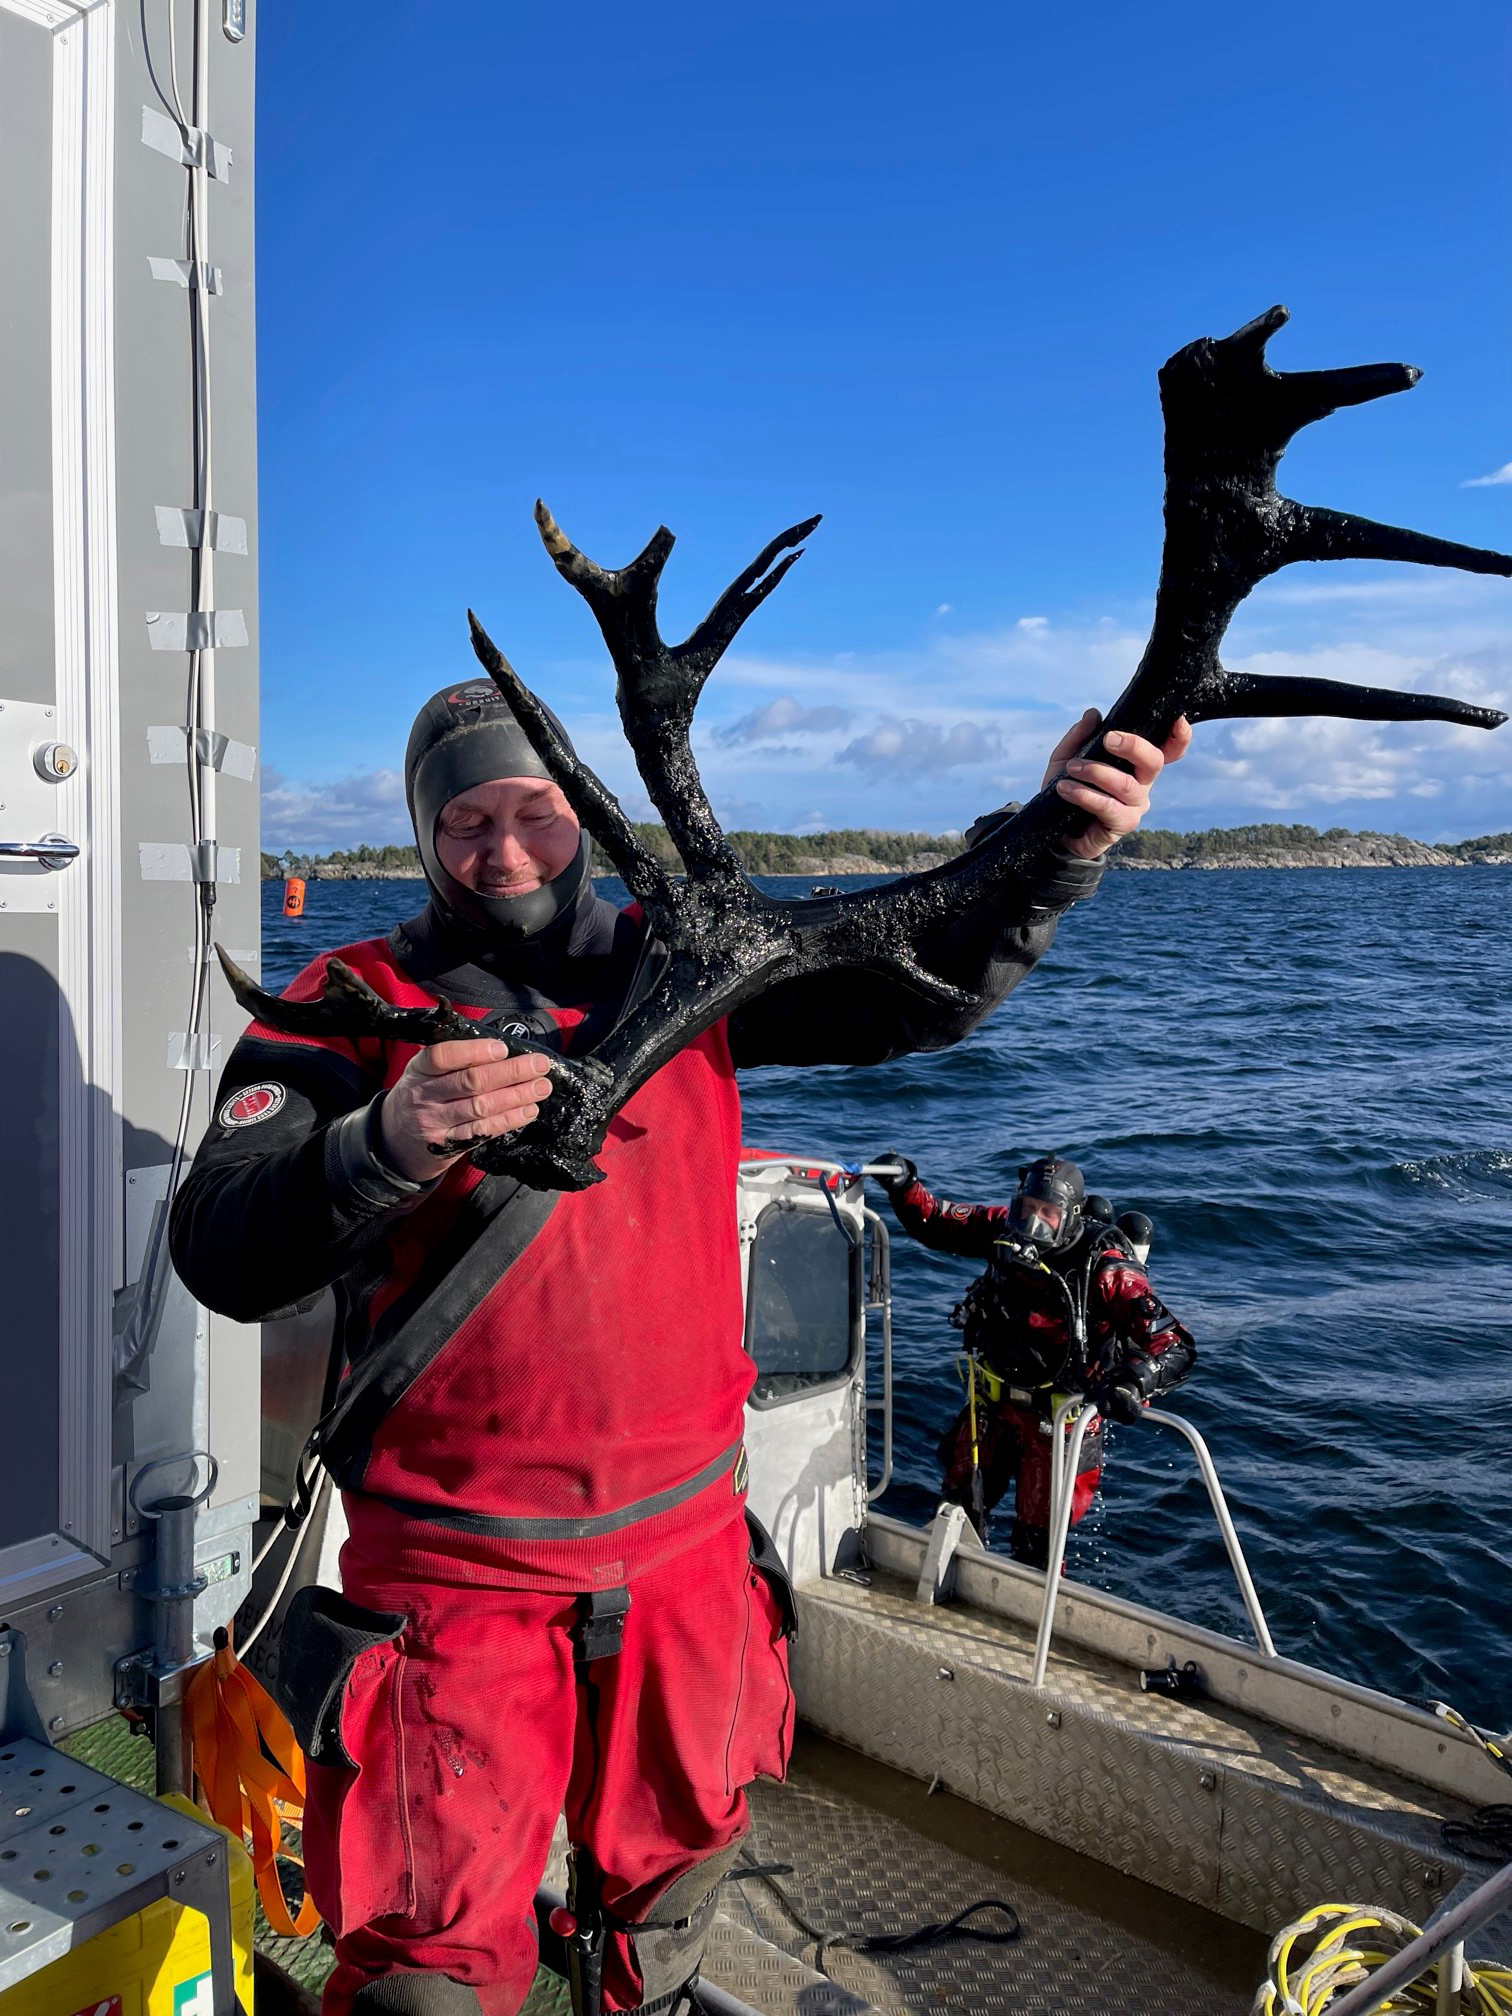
(1072, 1418)
(879, 1303)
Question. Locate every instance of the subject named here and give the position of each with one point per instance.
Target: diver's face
(1037, 1218)
(507, 838)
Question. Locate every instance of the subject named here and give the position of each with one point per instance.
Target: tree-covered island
(871, 851)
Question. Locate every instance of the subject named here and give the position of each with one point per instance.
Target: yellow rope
(1333, 1947)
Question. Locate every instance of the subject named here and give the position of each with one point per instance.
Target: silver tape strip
(250, 962)
(188, 145)
(219, 752)
(198, 1052)
(187, 273)
(178, 527)
(196, 629)
(177, 861)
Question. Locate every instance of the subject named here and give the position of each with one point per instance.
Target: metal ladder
(1073, 1416)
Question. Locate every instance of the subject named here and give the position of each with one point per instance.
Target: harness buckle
(600, 1629)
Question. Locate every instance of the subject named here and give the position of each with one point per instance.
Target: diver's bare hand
(1116, 799)
(452, 1095)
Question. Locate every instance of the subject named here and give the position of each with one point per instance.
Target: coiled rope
(1333, 1947)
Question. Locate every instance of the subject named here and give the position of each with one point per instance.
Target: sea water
(1305, 1078)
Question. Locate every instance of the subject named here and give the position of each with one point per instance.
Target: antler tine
(1256, 334)
(609, 589)
(744, 597)
(1306, 396)
(1313, 395)
(659, 685)
(595, 805)
(348, 1007)
(1312, 532)
(1248, 695)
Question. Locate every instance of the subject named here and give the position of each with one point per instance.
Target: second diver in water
(1065, 1306)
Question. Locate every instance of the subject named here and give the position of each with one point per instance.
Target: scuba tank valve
(1139, 1232)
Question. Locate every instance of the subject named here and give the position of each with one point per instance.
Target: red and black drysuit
(1017, 1318)
(544, 1416)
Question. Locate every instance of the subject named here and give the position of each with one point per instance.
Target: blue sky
(915, 268)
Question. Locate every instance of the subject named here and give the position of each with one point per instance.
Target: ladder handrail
(1065, 1452)
(1063, 1484)
(1225, 1520)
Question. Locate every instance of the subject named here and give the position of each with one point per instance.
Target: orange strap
(231, 1718)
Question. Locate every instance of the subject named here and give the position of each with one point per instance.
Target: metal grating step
(80, 1853)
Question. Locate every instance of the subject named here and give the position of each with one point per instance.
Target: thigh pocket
(761, 1739)
(341, 1682)
(325, 1638)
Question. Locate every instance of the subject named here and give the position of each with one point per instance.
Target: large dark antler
(1229, 418)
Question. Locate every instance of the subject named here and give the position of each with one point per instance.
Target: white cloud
(945, 609)
(1497, 476)
(367, 806)
(919, 749)
(1384, 774)
(927, 738)
(782, 716)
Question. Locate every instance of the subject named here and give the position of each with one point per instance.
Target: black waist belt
(567, 1529)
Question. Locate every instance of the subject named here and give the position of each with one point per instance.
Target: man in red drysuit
(553, 1597)
(1065, 1306)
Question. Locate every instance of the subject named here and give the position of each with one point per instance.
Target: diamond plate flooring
(859, 1870)
(1204, 1800)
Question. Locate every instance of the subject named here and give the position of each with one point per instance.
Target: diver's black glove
(1118, 1399)
(906, 1173)
(989, 822)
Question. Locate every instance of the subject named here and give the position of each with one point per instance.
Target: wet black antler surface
(1229, 418)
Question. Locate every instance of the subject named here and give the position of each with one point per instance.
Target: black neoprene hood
(464, 736)
(1047, 1206)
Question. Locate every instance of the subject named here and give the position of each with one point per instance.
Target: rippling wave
(1305, 1078)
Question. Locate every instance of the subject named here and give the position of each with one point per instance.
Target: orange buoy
(294, 890)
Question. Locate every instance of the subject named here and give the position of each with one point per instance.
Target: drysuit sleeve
(968, 1230)
(849, 1017)
(286, 1189)
(1154, 1351)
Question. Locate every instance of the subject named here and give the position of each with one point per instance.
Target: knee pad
(668, 1942)
(417, 1995)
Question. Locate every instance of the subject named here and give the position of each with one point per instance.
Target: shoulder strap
(1110, 1244)
(497, 1223)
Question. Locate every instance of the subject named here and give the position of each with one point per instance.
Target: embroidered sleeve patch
(257, 1102)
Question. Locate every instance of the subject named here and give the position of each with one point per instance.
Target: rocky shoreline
(1358, 853)
(1396, 854)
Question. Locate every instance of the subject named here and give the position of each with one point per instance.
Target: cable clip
(190, 146)
(187, 273)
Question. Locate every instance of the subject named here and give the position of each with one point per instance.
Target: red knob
(562, 1922)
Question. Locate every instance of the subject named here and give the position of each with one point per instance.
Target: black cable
(946, 1929)
(918, 1939)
